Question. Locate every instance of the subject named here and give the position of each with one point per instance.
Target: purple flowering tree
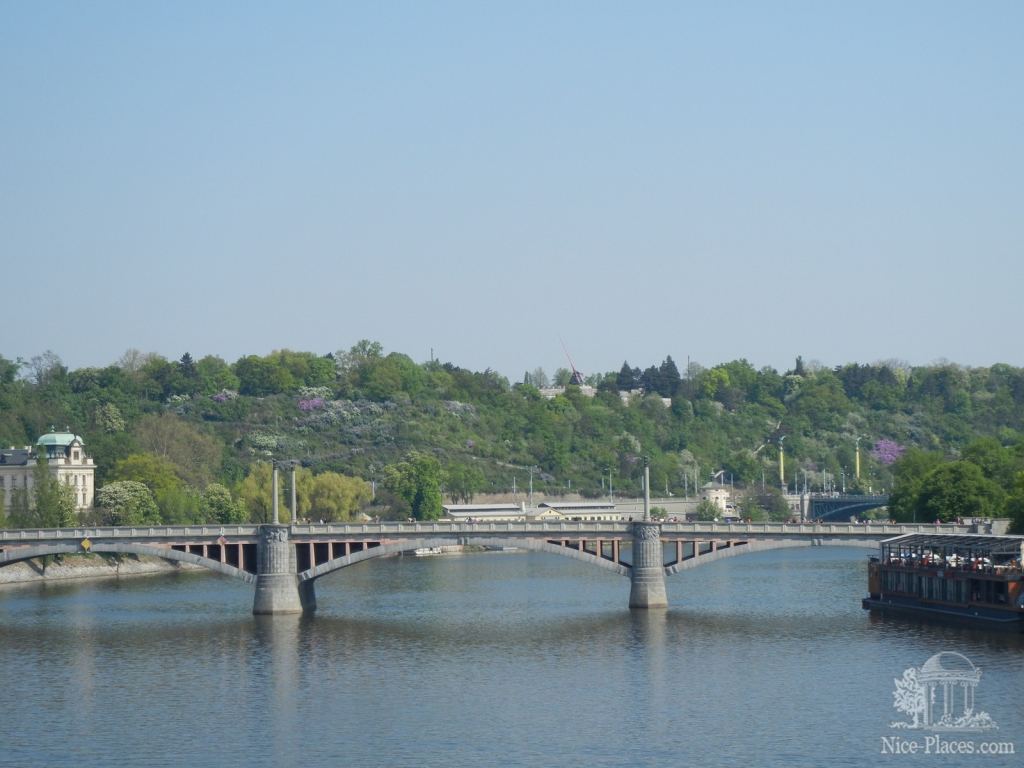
(887, 451)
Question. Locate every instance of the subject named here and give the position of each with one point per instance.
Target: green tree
(179, 505)
(1015, 505)
(127, 502)
(259, 376)
(418, 481)
(155, 472)
(217, 506)
(194, 455)
(108, 418)
(215, 375)
(463, 481)
(708, 511)
(256, 494)
(52, 503)
(909, 472)
(958, 489)
(336, 497)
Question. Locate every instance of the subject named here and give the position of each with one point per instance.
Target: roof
(581, 505)
(15, 457)
(62, 439)
(978, 543)
(481, 507)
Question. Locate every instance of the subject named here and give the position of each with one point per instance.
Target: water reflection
(527, 660)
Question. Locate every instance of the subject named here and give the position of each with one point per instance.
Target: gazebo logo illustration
(939, 695)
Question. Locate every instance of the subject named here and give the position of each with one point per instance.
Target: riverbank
(70, 567)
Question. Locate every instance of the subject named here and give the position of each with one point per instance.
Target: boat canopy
(996, 548)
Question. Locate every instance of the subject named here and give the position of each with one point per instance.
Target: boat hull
(976, 616)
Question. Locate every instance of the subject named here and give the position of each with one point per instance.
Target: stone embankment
(87, 567)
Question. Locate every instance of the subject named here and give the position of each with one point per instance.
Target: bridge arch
(393, 548)
(749, 546)
(21, 554)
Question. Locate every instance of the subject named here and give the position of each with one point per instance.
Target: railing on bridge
(418, 529)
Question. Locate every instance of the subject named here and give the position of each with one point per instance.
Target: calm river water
(506, 659)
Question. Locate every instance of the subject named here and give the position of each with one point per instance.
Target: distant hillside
(362, 411)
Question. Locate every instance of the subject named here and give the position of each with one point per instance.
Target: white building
(66, 460)
(719, 495)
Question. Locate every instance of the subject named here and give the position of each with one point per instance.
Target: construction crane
(577, 377)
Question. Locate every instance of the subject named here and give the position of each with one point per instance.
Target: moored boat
(976, 579)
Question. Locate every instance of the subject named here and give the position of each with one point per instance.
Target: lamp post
(782, 463)
(288, 464)
(531, 487)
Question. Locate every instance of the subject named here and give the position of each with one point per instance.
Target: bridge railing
(127, 532)
(390, 529)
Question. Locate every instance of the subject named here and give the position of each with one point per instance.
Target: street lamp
(286, 464)
(782, 463)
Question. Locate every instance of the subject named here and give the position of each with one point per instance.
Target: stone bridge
(284, 561)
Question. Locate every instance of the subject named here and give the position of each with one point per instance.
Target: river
(504, 659)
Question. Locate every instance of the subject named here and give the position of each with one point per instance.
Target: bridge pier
(278, 589)
(647, 577)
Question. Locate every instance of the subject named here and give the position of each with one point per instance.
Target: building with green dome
(66, 459)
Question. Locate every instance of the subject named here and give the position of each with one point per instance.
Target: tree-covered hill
(419, 430)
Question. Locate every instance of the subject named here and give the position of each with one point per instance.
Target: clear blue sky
(837, 180)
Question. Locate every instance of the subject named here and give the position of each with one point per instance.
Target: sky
(481, 181)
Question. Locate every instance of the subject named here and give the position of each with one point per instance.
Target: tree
(669, 377)
(155, 472)
(108, 418)
(708, 511)
(463, 482)
(1015, 505)
(770, 505)
(417, 480)
(256, 494)
(259, 376)
(626, 378)
(909, 472)
(958, 490)
(217, 506)
(215, 375)
(194, 455)
(127, 502)
(336, 497)
(562, 377)
(51, 503)
(909, 696)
